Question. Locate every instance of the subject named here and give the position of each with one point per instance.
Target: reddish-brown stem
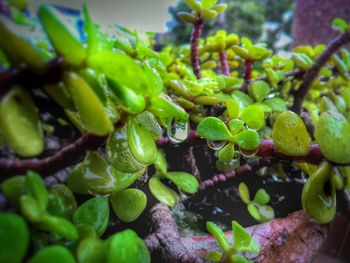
(65, 157)
(196, 34)
(242, 170)
(22, 75)
(248, 68)
(225, 69)
(311, 74)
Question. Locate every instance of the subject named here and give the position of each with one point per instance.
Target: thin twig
(225, 69)
(65, 157)
(195, 37)
(311, 74)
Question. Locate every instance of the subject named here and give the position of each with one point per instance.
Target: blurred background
(281, 24)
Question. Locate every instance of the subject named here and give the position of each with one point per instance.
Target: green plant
(123, 102)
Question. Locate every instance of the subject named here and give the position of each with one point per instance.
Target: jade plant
(117, 106)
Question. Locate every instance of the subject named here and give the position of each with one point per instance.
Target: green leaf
(226, 153)
(141, 143)
(126, 179)
(259, 90)
(161, 163)
(232, 108)
(164, 107)
(58, 225)
(14, 238)
(332, 133)
(93, 212)
(53, 254)
(253, 211)
(185, 181)
(63, 40)
(290, 135)
(97, 175)
(261, 197)
(127, 247)
(213, 129)
(243, 192)
(253, 116)
(128, 204)
(163, 193)
(122, 69)
(219, 235)
(209, 3)
(20, 123)
(30, 209)
(119, 153)
(248, 140)
(35, 187)
(155, 82)
(61, 201)
(242, 240)
(89, 106)
(14, 187)
(318, 196)
(91, 250)
(236, 126)
(340, 25)
(75, 180)
(276, 104)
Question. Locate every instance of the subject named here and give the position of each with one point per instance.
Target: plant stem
(67, 156)
(225, 69)
(248, 68)
(196, 34)
(311, 74)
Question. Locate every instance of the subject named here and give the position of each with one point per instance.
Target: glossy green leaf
(236, 126)
(164, 107)
(62, 202)
(248, 140)
(93, 212)
(129, 100)
(60, 94)
(232, 108)
(242, 240)
(97, 175)
(121, 69)
(276, 104)
(127, 247)
(161, 163)
(261, 197)
(20, 124)
(128, 204)
(30, 209)
(91, 250)
(259, 90)
(243, 192)
(126, 179)
(141, 143)
(75, 180)
(119, 153)
(61, 37)
(219, 235)
(150, 123)
(95, 81)
(318, 196)
(185, 181)
(14, 238)
(53, 254)
(59, 226)
(253, 211)
(155, 82)
(163, 193)
(332, 130)
(226, 153)
(253, 116)
(35, 187)
(89, 106)
(213, 129)
(290, 135)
